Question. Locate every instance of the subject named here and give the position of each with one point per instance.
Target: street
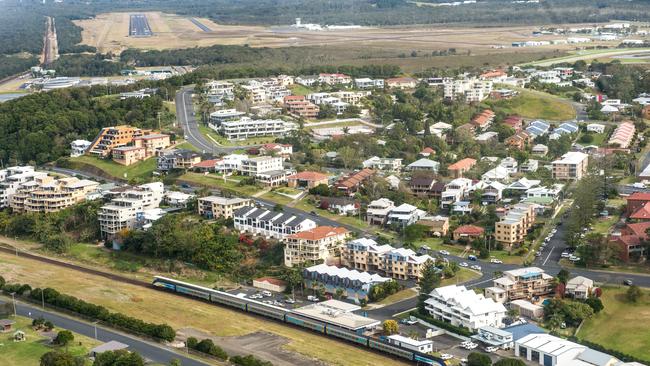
(147, 349)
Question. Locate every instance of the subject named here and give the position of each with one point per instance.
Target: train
(287, 316)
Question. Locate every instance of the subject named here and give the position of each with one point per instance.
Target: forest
(11, 65)
(38, 128)
(87, 65)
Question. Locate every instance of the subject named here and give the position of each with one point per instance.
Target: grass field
(298, 89)
(534, 104)
(142, 169)
(213, 181)
(621, 326)
(155, 306)
(398, 296)
(29, 352)
(463, 275)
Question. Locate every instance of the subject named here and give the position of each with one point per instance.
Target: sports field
(155, 306)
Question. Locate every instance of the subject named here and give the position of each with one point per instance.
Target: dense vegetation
(87, 65)
(81, 307)
(12, 65)
(20, 32)
(38, 128)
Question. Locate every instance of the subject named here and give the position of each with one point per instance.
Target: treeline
(21, 32)
(12, 65)
(87, 65)
(69, 35)
(56, 230)
(208, 347)
(53, 297)
(208, 246)
(39, 127)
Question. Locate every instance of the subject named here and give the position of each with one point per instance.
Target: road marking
(478, 283)
(548, 256)
(402, 312)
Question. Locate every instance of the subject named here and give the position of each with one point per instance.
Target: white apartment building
(405, 215)
(223, 89)
(366, 255)
(393, 165)
(261, 164)
(521, 283)
(230, 163)
(79, 147)
(351, 97)
(47, 194)
(378, 210)
(216, 206)
(367, 83)
(246, 127)
(473, 90)
(128, 208)
(223, 115)
(279, 225)
(455, 191)
(572, 166)
(11, 179)
(464, 307)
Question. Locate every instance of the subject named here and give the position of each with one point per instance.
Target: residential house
(437, 225)
(366, 83)
(554, 192)
(427, 151)
(404, 215)
(596, 128)
(313, 245)
(378, 210)
(572, 166)
(468, 233)
(519, 140)
(540, 149)
(351, 284)
(513, 228)
(307, 179)
(493, 192)
(530, 166)
(375, 162)
(623, 135)
(494, 337)
(579, 287)
(401, 83)
(463, 307)
(393, 182)
(514, 122)
(461, 208)
(79, 147)
(422, 185)
(178, 159)
(524, 184)
(566, 128)
(177, 198)
(282, 150)
(424, 164)
(457, 169)
(487, 137)
(455, 191)
(206, 166)
(351, 183)
(484, 119)
(221, 207)
(279, 225)
(521, 283)
(340, 205)
(631, 240)
(510, 164)
(538, 128)
(497, 174)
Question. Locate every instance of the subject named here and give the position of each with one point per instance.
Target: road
(149, 350)
(50, 43)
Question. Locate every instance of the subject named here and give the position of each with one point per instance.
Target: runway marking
(548, 256)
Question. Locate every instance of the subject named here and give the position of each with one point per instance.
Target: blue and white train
(287, 316)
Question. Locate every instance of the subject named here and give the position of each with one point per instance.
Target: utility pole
(43, 299)
(13, 300)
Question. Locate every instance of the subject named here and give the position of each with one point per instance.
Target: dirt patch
(263, 345)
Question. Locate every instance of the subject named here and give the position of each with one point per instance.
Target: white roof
(524, 183)
(572, 157)
(497, 173)
(466, 300)
(608, 109)
(549, 344)
(424, 163)
(410, 341)
(223, 200)
(526, 305)
(345, 273)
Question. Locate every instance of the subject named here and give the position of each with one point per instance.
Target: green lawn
(297, 89)
(621, 325)
(398, 296)
(29, 352)
(186, 145)
(308, 207)
(213, 181)
(141, 169)
(333, 124)
(532, 104)
(221, 140)
(462, 276)
(603, 224)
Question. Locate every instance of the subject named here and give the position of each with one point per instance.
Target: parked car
(289, 301)
(463, 264)
(409, 321)
(491, 349)
(446, 356)
(565, 255)
(628, 282)
(312, 298)
(476, 267)
(444, 252)
(267, 294)
(495, 260)
(472, 257)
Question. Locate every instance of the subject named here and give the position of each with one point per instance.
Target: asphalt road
(148, 350)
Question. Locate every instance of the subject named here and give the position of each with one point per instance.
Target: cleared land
(535, 104)
(621, 325)
(601, 55)
(108, 32)
(142, 169)
(156, 306)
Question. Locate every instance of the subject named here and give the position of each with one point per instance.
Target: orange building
(461, 167)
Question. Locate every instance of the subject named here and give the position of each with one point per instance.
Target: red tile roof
(466, 163)
(319, 233)
(206, 163)
(469, 230)
(309, 176)
(427, 150)
(639, 229)
(639, 196)
(643, 213)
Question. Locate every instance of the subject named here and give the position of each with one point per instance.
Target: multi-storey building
(404, 215)
(11, 180)
(351, 97)
(177, 159)
(221, 207)
(223, 115)
(310, 246)
(461, 167)
(522, 283)
(364, 254)
(403, 264)
(230, 163)
(572, 166)
(366, 83)
(246, 127)
(401, 83)
(261, 164)
(223, 89)
(378, 210)
(127, 155)
(333, 79)
(375, 162)
(514, 226)
(152, 143)
(128, 207)
(463, 307)
(473, 90)
(47, 194)
(79, 147)
(112, 137)
(299, 106)
(279, 225)
(355, 285)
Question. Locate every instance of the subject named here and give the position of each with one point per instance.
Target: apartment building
(128, 155)
(177, 159)
(514, 226)
(261, 164)
(128, 207)
(484, 119)
(404, 215)
(473, 90)
(230, 163)
(79, 147)
(375, 162)
(401, 83)
(461, 167)
(367, 83)
(47, 194)
(246, 127)
(279, 225)
(282, 150)
(11, 179)
(355, 285)
(112, 137)
(572, 166)
(214, 207)
(223, 89)
(521, 283)
(463, 307)
(333, 79)
(310, 246)
(378, 210)
(298, 105)
(223, 115)
(351, 97)
(403, 264)
(364, 254)
(152, 143)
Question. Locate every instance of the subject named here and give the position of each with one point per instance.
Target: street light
(13, 300)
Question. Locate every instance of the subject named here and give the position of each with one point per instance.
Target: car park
(290, 301)
(476, 267)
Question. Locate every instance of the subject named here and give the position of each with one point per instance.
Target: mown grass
(531, 104)
(213, 181)
(141, 169)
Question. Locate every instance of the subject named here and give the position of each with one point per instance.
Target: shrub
(478, 359)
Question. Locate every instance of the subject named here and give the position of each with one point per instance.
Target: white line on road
(478, 283)
(548, 256)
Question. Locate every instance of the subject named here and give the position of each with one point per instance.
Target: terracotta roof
(310, 176)
(272, 280)
(319, 233)
(469, 230)
(493, 74)
(639, 196)
(294, 98)
(639, 228)
(427, 150)
(206, 163)
(628, 240)
(643, 213)
(355, 178)
(462, 164)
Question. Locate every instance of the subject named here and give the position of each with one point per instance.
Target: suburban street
(146, 349)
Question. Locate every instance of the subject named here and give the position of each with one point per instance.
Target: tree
(390, 326)
(118, 358)
(349, 157)
(633, 294)
(429, 280)
(509, 362)
(513, 313)
(595, 303)
(2, 282)
(191, 342)
(175, 362)
(48, 325)
(555, 320)
(414, 232)
(563, 276)
(478, 359)
(63, 338)
(56, 358)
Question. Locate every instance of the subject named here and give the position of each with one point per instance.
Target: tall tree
(429, 280)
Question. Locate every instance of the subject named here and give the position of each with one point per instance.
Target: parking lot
(275, 298)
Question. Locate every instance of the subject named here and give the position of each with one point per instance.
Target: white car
(573, 258)
(491, 349)
(476, 267)
(446, 356)
(463, 264)
(565, 255)
(554, 231)
(289, 301)
(444, 252)
(312, 298)
(471, 346)
(266, 294)
(497, 261)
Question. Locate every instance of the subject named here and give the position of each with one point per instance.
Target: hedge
(73, 304)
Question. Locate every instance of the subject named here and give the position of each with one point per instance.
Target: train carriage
(228, 300)
(394, 350)
(347, 335)
(305, 323)
(270, 311)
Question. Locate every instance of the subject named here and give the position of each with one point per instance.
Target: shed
(5, 325)
(270, 284)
